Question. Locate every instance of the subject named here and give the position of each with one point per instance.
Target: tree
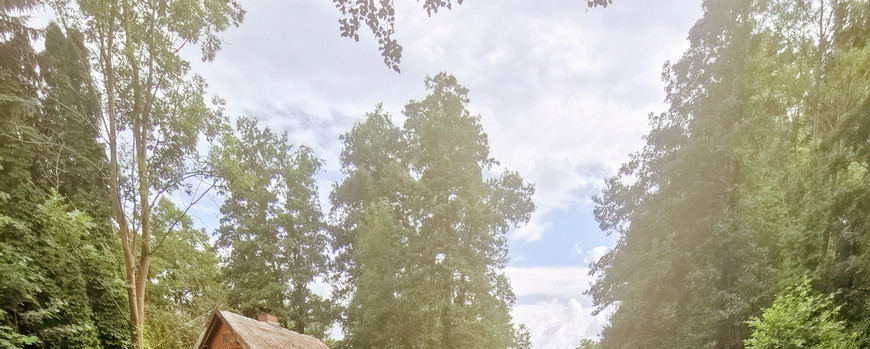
(44, 300)
(186, 284)
(587, 343)
(17, 24)
(522, 337)
(799, 319)
(61, 284)
(272, 228)
(746, 182)
(380, 18)
(75, 165)
(421, 233)
(690, 253)
(369, 205)
(154, 111)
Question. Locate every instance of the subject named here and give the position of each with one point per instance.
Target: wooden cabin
(226, 330)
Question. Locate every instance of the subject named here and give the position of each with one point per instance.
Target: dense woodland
(742, 222)
(753, 187)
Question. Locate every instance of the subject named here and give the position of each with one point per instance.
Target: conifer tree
(422, 232)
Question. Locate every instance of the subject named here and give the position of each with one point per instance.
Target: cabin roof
(253, 334)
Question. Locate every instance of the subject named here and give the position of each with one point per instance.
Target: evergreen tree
(421, 233)
(753, 177)
(686, 257)
(57, 251)
(272, 228)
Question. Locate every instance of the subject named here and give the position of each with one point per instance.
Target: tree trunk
(124, 233)
(136, 270)
(140, 135)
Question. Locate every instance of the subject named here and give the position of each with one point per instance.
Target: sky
(563, 93)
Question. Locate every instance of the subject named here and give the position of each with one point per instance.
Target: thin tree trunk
(140, 143)
(124, 233)
(143, 266)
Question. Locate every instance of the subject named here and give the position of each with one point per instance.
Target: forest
(742, 223)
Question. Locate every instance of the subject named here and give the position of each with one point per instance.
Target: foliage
(272, 228)
(421, 234)
(757, 174)
(45, 299)
(185, 285)
(684, 252)
(57, 258)
(522, 337)
(154, 114)
(749, 179)
(16, 23)
(799, 319)
(587, 343)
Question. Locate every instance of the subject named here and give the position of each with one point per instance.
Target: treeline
(61, 284)
(103, 126)
(60, 260)
(744, 220)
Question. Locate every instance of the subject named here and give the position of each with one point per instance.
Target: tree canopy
(749, 180)
(741, 223)
(61, 284)
(151, 108)
(272, 227)
(421, 235)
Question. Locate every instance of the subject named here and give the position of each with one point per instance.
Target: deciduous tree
(800, 319)
(153, 112)
(186, 283)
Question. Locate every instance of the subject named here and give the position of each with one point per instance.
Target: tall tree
(272, 227)
(422, 233)
(372, 213)
(747, 183)
(686, 256)
(75, 166)
(58, 253)
(154, 113)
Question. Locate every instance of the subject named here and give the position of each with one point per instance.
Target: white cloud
(595, 254)
(552, 304)
(320, 287)
(534, 230)
(563, 282)
(556, 323)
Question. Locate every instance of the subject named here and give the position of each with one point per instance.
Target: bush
(799, 319)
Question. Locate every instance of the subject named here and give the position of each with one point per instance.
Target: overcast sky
(563, 92)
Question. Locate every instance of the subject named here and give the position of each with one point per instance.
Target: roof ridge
(254, 334)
